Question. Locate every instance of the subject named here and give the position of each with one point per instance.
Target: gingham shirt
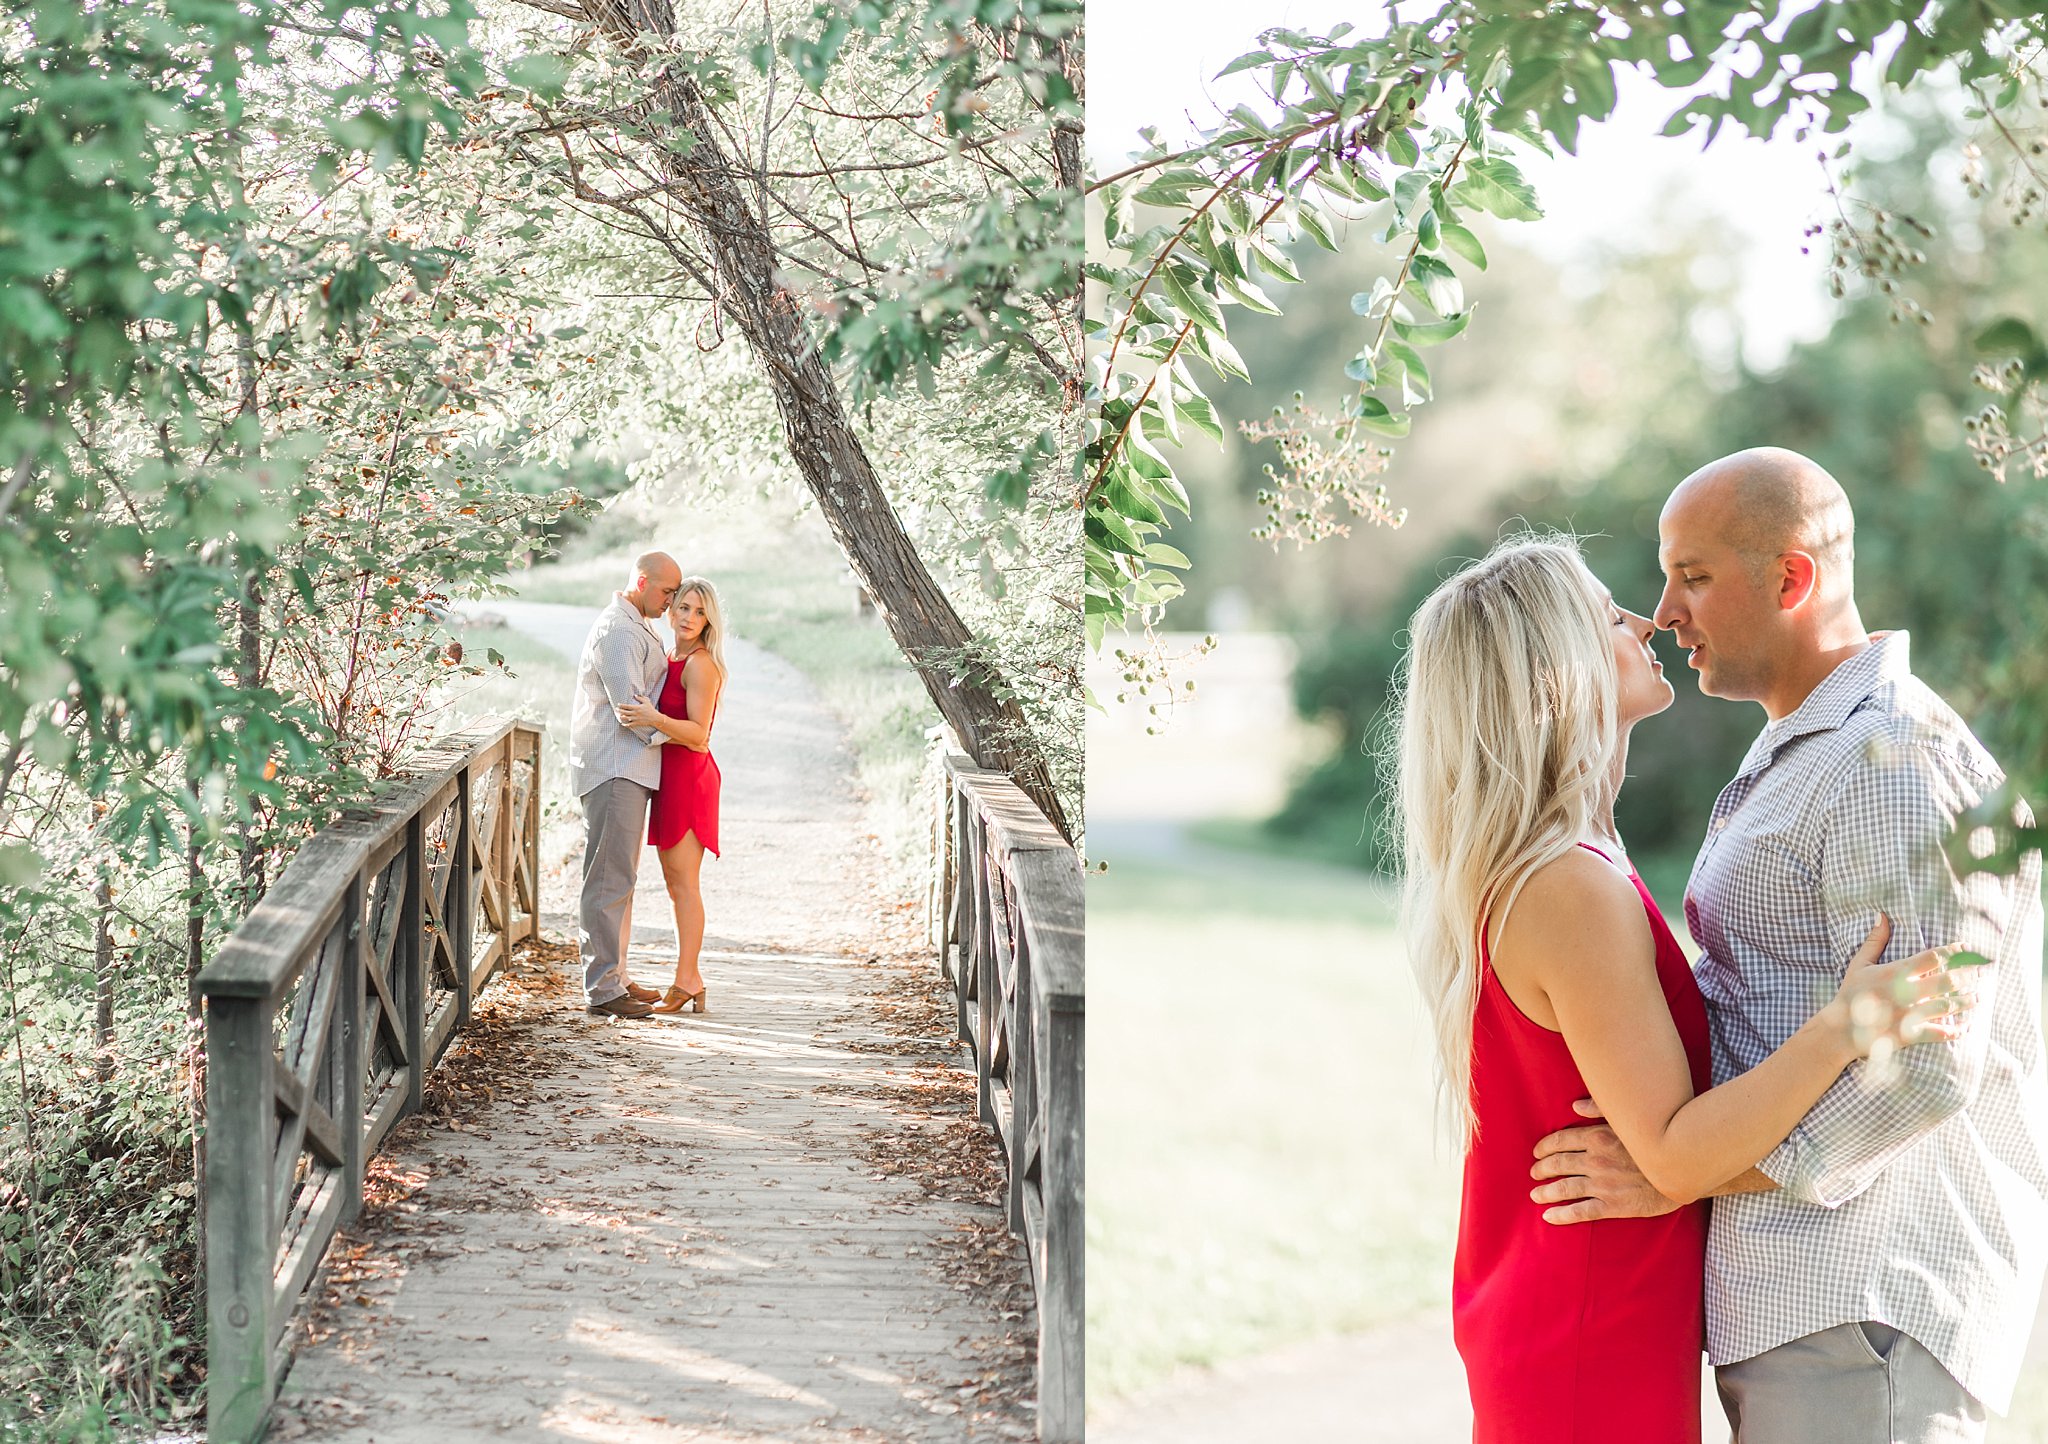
(622, 662)
(1921, 1200)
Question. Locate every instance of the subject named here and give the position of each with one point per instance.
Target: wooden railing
(324, 1012)
(1006, 912)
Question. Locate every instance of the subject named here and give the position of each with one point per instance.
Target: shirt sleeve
(619, 673)
(1885, 849)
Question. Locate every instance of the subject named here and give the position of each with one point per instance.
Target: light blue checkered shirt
(622, 662)
(1919, 1200)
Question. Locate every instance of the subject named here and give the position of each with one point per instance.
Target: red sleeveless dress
(687, 800)
(1585, 1333)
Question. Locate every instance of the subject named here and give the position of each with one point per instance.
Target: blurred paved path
(1402, 1384)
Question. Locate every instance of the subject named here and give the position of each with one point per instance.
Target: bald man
(615, 770)
(1874, 1278)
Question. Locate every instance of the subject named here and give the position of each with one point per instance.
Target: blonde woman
(1551, 977)
(682, 824)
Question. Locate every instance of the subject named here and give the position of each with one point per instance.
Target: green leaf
(1248, 295)
(1216, 349)
(1112, 531)
(1408, 190)
(1493, 184)
(1681, 120)
(1197, 411)
(1373, 415)
(1369, 303)
(1416, 375)
(1465, 244)
(1530, 80)
(2011, 336)
(1275, 261)
(1432, 333)
(1437, 284)
(1313, 225)
(1250, 60)
(1160, 554)
(2008, 336)
(543, 74)
(1171, 187)
(1193, 299)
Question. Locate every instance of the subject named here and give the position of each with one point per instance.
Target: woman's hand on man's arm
(1586, 1173)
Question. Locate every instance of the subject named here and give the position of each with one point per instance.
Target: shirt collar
(629, 610)
(1887, 659)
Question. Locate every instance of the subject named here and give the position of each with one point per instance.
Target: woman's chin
(1660, 702)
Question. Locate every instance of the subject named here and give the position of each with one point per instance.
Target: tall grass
(96, 1221)
(1261, 1159)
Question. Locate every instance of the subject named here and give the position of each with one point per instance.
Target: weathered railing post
(462, 891)
(288, 1137)
(346, 1053)
(241, 1228)
(1057, 932)
(532, 836)
(506, 846)
(966, 905)
(414, 959)
(1011, 926)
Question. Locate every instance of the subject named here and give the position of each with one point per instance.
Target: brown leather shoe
(645, 995)
(623, 1006)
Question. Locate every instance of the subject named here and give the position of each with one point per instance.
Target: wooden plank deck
(694, 1229)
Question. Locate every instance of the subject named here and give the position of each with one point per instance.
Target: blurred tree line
(1943, 550)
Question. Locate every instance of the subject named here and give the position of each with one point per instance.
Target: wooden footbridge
(692, 1229)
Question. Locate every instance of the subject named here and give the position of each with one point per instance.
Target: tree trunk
(103, 986)
(195, 1035)
(966, 687)
(249, 632)
(249, 676)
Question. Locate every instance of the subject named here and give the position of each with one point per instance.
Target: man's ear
(1798, 576)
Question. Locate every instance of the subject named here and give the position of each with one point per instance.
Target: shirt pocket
(1776, 909)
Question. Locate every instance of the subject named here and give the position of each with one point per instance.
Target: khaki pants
(614, 835)
(1853, 1384)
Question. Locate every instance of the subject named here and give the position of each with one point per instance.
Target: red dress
(688, 798)
(1585, 1333)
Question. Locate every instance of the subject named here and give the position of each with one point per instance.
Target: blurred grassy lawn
(1261, 1160)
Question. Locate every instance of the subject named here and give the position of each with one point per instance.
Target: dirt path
(775, 1221)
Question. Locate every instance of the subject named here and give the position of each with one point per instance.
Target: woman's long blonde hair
(1502, 750)
(713, 637)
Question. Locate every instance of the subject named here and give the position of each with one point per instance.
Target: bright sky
(1151, 65)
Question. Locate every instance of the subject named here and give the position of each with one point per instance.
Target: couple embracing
(1819, 1144)
(640, 761)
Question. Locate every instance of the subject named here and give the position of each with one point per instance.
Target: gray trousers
(1853, 1384)
(614, 834)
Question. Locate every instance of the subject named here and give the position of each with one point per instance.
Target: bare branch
(559, 7)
